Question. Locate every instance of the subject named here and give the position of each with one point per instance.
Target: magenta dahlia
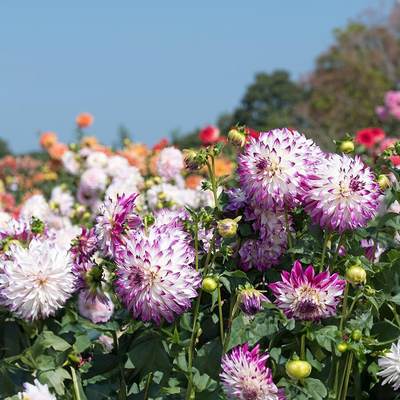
(251, 300)
(273, 167)
(304, 295)
(245, 375)
(156, 280)
(343, 194)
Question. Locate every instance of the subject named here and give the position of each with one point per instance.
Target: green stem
(196, 245)
(211, 172)
(303, 347)
(220, 315)
(347, 378)
(289, 235)
(232, 314)
(344, 308)
(339, 245)
(395, 314)
(147, 387)
(122, 383)
(77, 395)
(328, 237)
(191, 347)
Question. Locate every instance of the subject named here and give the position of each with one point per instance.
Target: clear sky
(157, 67)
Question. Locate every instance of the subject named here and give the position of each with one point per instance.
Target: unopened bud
(237, 137)
(347, 146)
(383, 182)
(228, 227)
(356, 274)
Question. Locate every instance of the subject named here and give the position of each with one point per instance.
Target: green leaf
(315, 388)
(385, 331)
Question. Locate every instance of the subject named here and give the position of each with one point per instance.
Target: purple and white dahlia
(250, 300)
(304, 295)
(116, 217)
(245, 375)
(170, 163)
(156, 280)
(36, 281)
(273, 167)
(343, 194)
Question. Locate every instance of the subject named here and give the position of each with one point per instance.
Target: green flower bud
(209, 284)
(383, 182)
(356, 335)
(342, 347)
(347, 146)
(356, 274)
(228, 227)
(37, 226)
(237, 137)
(297, 369)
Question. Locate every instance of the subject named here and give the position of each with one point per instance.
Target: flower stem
(147, 387)
(324, 249)
(196, 245)
(191, 347)
(220, 315)
(77, 395)
(289, 235)
(232, 313)
(211, 172)
(339, 245)
(344, 308)
(303, 347)
(346, 377)
(122, 383)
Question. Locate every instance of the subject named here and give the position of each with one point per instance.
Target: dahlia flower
(84, 246)
(372, 250)
(115, 218)
(35, 206)
(260, 254)
(37, 391)
(343, 194)
(251, 300)
(97, 309)
(245, 375)
(36, 281)
(272, 168)
(390, 366)
(116, 164)
(93, 180)
(209, 134)
(307, 296)
(96, 159)
(70, 163)
(61, 200)
(156, 280)
(236, 199)
(170, 162)
(369, 137)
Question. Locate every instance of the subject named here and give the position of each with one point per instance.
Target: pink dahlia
(273, 167)
(98, 309)
(307, 296)
(116, 217)
(251, 300)
(155, 280)
(245, 375)
(343, 194)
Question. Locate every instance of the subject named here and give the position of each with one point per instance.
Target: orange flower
(89, 141)
(48, 139)
(223, 166)
(57, 151)
(193, 181)
(84, 120)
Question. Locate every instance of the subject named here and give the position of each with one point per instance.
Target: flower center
(272, 167)
(308, 300)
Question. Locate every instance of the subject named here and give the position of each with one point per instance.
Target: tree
(270, 102)
(350, 79)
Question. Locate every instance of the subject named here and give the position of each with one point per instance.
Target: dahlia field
(254, 267)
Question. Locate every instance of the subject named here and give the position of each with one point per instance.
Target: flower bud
(346, 146)
(237, 137)
(191, 159)
(383, 182)
(297, 369)
(209, 284)
(96, 308)
(397, 148)
(250, 300)
(227, 227)
(342, 347)
(356, 335)
(356, 274)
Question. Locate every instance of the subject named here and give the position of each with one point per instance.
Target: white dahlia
(170, 162)
(37, 391)
(343, 194)
(156, 279)
(36, 281)
(35, 206)
(273, 167)
(390, 366)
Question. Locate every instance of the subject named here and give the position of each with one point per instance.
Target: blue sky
(154, 67)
